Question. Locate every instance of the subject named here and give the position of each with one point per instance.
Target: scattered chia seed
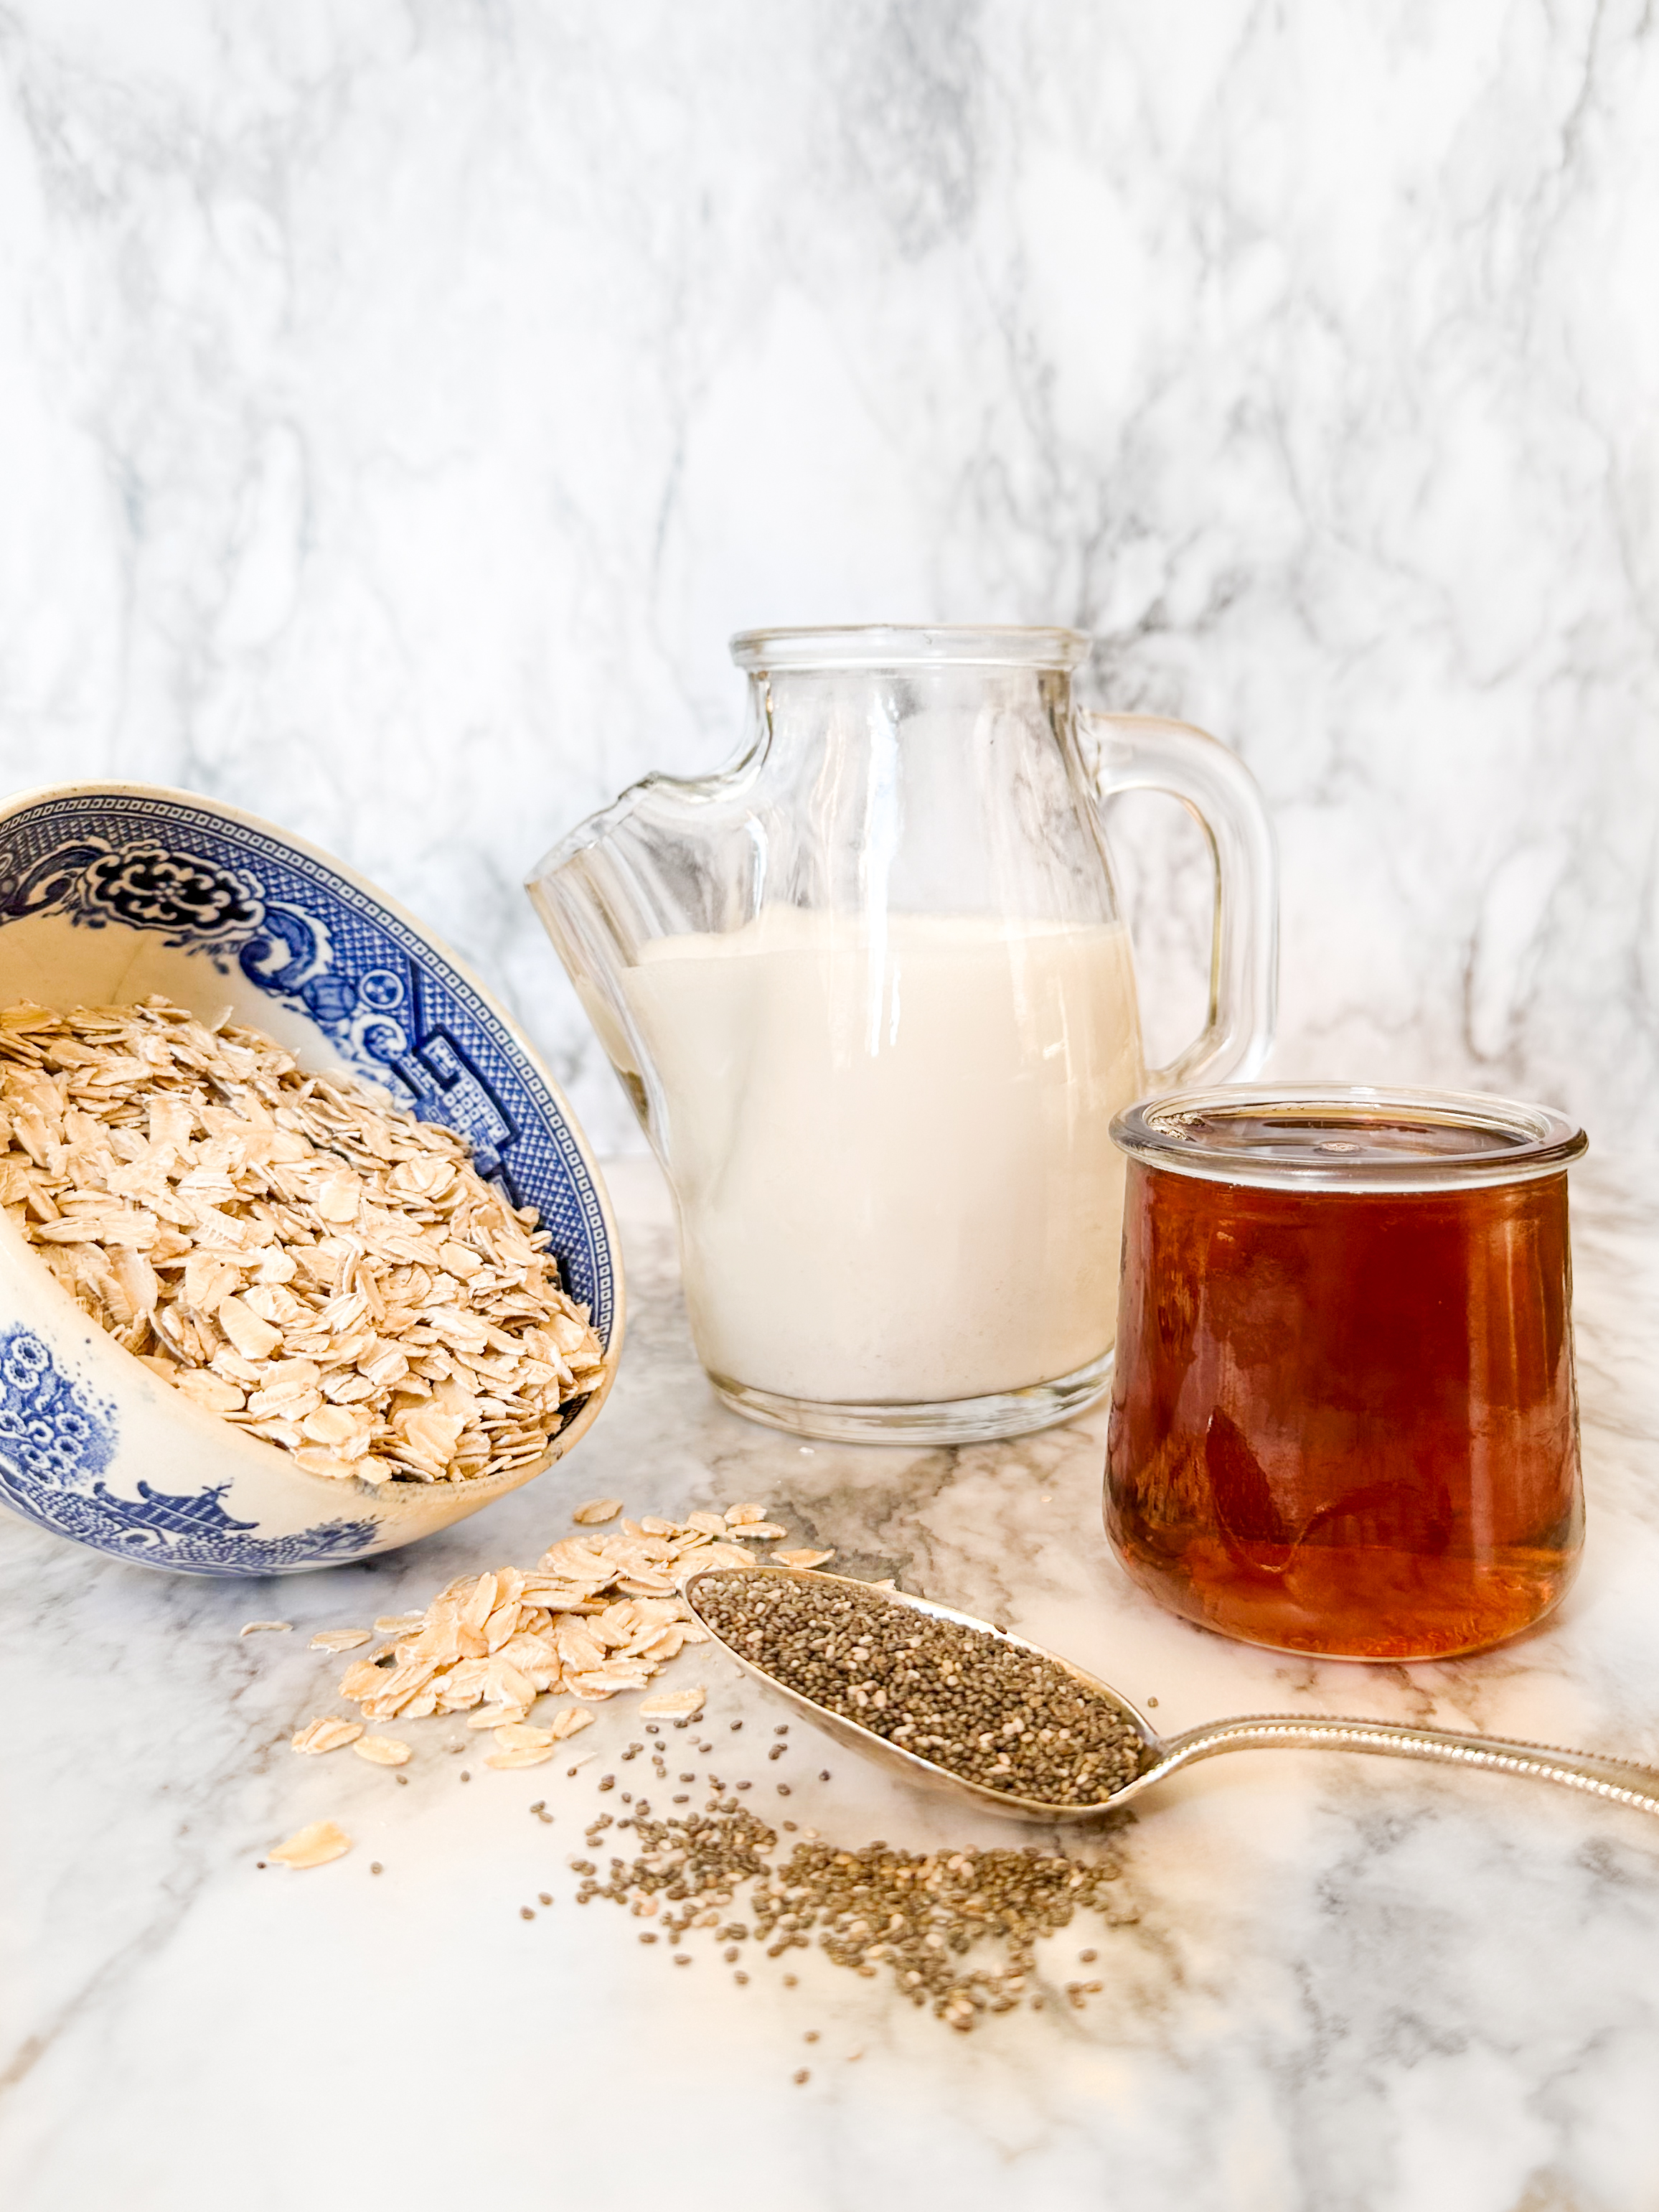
(989, 1712)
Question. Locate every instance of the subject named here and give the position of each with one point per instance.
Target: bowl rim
(270, 1455)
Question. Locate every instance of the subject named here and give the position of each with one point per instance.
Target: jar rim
(911, 645)
(1464, 1138)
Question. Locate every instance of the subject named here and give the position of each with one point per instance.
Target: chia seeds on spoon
(985, 1711)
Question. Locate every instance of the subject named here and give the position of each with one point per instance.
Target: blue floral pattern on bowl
(56, 1440)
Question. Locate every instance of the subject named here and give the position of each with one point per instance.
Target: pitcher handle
(1144, 752)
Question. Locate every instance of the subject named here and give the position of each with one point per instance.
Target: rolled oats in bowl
(293, 1252)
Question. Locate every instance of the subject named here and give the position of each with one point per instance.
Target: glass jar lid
(1337, 1136)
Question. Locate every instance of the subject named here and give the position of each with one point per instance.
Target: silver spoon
(1616, 1780)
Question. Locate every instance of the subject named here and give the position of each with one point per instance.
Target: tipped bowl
(111, 891)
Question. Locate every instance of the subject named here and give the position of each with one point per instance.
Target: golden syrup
(1345, 1422)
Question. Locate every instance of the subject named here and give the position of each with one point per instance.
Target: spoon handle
(1617, 1780)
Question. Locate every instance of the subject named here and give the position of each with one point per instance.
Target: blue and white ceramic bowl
(109, 891)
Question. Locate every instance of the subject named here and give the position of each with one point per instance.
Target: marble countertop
(1338, 1982)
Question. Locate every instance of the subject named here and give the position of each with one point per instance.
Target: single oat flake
(802, 1558)
(339, 1639)
(720, 1555)
(254, 1627)
(517, 1737)
(521, 1755)
(314, 1845)
(598, 1509)
(326, 1734)
(674, 1704)
(495, 1717)
(293, 1254)
(382, 1750)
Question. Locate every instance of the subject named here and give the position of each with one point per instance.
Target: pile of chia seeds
(918, 1915)
(1008, 1719)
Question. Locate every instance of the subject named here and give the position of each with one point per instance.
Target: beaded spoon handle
(1615, 1781)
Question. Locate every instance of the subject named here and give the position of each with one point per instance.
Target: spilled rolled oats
(293, 1252)
(598, 1614)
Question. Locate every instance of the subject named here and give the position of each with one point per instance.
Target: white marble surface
(401, 404)
(1342, 1985)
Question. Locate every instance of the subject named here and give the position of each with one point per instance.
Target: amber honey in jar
(1344, 1417)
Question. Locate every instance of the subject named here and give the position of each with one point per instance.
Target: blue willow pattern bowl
(109, 892)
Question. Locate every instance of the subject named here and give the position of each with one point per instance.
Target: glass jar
(1343, 1417)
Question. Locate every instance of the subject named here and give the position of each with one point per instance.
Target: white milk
(890, 1154)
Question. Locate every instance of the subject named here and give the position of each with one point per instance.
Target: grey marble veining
(1332, 1984)
(403, 402)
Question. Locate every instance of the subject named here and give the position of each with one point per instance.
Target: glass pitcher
(870, 994)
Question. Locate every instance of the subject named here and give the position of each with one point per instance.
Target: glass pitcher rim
(910, 645)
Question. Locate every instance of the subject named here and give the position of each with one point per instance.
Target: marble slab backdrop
(403, 402)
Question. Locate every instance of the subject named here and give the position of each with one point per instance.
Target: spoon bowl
(1618, 1781)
